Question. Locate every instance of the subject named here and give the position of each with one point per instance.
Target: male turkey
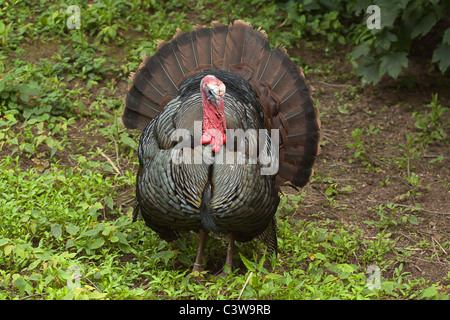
(187, 97)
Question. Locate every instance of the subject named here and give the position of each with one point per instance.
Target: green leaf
(28, 147)
(24, 97)
(121, 236)
(438, 158)
(388, 15)
(128, 141)
(10, 117)
(61, 178)
(97, 243)
(39, 140)
(248, 264)
(107, 230)
(185, 260)
(424, 26)
(90, 233)
(56, 230)
(8, 249)
(360, 50)
(392, 63)
(347, 188)
(109, 202)
(14, 141)
(97, 295)
(413, 220)
(30, 90)
(368, 70)
(165, 255)
(385, 39)
(71, 228)
(112, 33)
(446, 37)
(36, 276)
(412, 13)
(114, 239)
(53, 151)
(331, 190)
(44, 21)
(20, 283)
(70, 243)
(125, 247)
(429, 292)
(441, 55)
(320, 256)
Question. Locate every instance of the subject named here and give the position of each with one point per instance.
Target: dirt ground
(389, 107)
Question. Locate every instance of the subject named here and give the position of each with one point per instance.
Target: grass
(69, 166)
(64, 223)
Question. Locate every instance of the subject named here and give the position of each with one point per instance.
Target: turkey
(226, 121)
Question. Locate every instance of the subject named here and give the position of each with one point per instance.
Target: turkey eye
(209, 94)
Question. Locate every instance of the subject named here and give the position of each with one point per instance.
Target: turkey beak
(215, 101)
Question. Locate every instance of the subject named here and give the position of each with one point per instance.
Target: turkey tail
(297, 118)
(239, 49)
(269, 237)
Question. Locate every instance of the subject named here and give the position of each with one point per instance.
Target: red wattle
(206, 138)
(224, 138)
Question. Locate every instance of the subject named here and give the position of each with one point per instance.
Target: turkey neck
(213, 118)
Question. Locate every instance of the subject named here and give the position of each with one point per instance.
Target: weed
(430, 124)
(410, 154)
(358, 145)
(391, 216)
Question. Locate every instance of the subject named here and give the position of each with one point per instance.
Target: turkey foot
(230, 253)
(201, 247)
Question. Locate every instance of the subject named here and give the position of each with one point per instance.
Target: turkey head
(214, 123)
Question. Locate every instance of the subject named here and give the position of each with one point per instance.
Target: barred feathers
(240, 49)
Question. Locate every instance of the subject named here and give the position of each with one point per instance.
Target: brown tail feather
(219, 41)
(204, 46)
(255, 47)
(274, 66)
(187, 50)
(235, 44)
(237, 48)
(143, 81)
(171, 66)
(134, 120)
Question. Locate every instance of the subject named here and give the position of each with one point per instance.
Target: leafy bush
(385, 51)
(377, 51)
(28, 89)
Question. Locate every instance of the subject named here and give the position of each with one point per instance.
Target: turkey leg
(201, 247)
(230, 253)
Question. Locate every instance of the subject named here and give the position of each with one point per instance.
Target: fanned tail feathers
(239, 49)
